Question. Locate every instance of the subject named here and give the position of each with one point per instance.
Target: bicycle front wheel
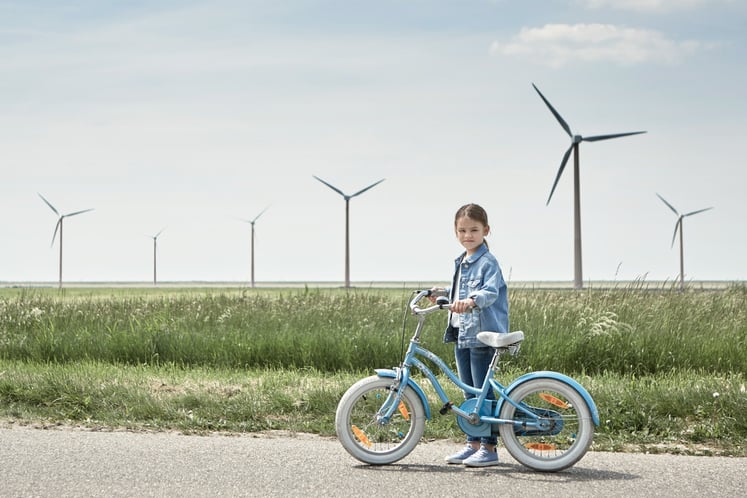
(563, 432)
(361, 431)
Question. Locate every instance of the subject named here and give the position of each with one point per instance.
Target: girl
(479, 301)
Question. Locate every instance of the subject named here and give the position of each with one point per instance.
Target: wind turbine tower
(252, 222)
(574, 147)
(58, 227)
(155, 239)
(678, 228)
(347, 222)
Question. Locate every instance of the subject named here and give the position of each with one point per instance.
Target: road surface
(76, 462)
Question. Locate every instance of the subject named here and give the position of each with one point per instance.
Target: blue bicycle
(545, 419)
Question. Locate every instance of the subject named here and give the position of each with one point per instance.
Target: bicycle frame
(479, 412)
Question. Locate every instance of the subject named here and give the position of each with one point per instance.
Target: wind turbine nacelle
(577, 139)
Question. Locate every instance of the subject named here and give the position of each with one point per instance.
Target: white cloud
(559, 44)
(650, 5)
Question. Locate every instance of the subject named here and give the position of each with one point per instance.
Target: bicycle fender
(385, 372)
(562, 378)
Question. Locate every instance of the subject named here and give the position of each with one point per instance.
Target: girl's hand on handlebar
(462, 305)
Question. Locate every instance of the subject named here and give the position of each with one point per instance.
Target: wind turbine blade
(260, 214)
(56, 227)
(555, 113)
(331, 186)
(159, 233)
(48, 204)
(676, 227)
(78, 212)
(596, 138)
(560, 172)
(670, 206)
(696, 212)
(368, 188)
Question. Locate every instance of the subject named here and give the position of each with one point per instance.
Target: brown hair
(473, 212)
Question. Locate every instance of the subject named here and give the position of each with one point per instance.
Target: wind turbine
(58, 226)
(678, 228)
(155, 239)
(575, 141)
(347, 221)
(252, 222)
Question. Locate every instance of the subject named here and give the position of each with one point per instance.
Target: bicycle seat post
(495, 362)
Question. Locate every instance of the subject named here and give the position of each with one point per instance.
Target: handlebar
(442, 303)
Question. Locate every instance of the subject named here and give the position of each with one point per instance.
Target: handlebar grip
(441, 303)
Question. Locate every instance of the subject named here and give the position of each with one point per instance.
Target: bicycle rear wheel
(360, 430)
(566, 428)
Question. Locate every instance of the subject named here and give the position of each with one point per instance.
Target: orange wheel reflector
(361, 436)
(403, 410)
(540, 447)
(553, 400)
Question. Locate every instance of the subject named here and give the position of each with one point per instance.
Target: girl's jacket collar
(474, 257)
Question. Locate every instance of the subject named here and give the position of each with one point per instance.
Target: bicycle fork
(393, 403)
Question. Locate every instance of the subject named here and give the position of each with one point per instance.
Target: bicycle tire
(566, 437)
(364, 437)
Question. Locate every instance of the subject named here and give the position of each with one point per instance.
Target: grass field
(667, 369)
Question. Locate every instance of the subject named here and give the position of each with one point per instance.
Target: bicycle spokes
(535, 421)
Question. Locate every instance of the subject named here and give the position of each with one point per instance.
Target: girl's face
(470, 233)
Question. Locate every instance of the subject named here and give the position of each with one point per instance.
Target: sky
(190, 118)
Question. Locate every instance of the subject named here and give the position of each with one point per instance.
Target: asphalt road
(71, 462)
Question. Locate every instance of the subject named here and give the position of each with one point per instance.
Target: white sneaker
(460, 457)
(482, 458)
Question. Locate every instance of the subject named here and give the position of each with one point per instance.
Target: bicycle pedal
(446, 408)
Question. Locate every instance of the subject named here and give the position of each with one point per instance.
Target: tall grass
(327, 330)
(631, 330)
(634, 330)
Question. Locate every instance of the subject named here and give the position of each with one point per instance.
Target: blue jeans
(472, 367)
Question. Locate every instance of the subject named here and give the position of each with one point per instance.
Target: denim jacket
(482, 280)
